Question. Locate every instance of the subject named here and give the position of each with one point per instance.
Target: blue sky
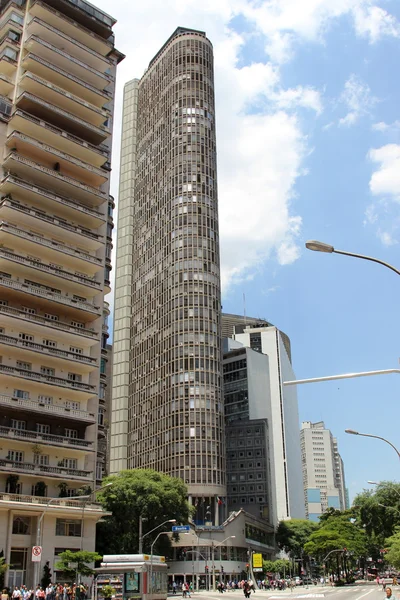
(308, 121)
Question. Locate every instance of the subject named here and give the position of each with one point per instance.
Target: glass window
(16, 424)
(21, 525)
(68, 527)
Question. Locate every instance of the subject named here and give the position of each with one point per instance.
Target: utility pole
(140, 534)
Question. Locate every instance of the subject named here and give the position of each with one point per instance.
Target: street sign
(178, 528)
(257, 570)
(257, 561)
(36, 553)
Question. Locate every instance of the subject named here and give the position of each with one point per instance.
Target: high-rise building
(270, 484)
(167, 409)
(57, 80)
(323, 470)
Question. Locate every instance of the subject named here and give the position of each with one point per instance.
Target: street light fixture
(390, 484)
(377, 437)
(142, 536)
(317, 246)
(213, 557)
(151, 552)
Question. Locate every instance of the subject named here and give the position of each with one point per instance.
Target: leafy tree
(3, 568)
(379, 510)
(292, 535)
(80, 561)
(281, 566)
(140, 492)
(393, 546)
(46, 577)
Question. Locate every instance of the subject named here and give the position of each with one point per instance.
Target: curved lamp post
(151, 554)
(377, 437)
(142, 536)
(317, 246)
(391, 486)
(213, 557)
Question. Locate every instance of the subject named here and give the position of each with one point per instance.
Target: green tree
(46, 577)
(292, 535)
(3, 568)
(76, 562)
(281, 566)
(392, 544)
(140, 492)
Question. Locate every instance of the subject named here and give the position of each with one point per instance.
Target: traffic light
(247, 566)
(206, 569)
(222, 569)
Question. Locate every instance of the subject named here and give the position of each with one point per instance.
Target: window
(41, 459)
(24, 365)
(68, 527)
(20, 425)
(42, 428)
(100, 416)
(15, 455)
(3, 302)
(51, 317)
(21, 394)
(71, 433)
(45, 399)
(21, 526)
(47, 371)
(70, 463)
(72, 405)
(76, 350)
(74, 377)
(103, 364)
(78, 324)
(50, 343)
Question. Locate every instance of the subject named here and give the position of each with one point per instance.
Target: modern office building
(167, 407)
(57, 80)
(323, 470)
(268, 398)
(262, 428)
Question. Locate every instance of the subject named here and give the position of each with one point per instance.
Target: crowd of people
(54, 591)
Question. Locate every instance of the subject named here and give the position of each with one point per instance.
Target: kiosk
(132, 577)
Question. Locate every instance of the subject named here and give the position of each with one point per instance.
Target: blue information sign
(181, 528)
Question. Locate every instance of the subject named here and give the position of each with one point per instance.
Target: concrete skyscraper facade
(323, 470)
(167, 409)
(57, 81)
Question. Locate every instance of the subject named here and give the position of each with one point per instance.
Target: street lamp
(377, 437)
(151, 553)
(327, 248)
(142, 536)
(86, 500)
(213, 546)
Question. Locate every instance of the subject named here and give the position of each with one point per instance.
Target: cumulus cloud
(357, 99)
(262, 140)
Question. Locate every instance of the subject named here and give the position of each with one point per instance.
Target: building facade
(57, 81)
(323, 470)
(270, 399)
(167, 411)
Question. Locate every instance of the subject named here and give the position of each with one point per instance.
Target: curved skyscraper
(167, 401)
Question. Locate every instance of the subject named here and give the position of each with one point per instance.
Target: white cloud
(358, 100)
(261, 154)
(383, 127)
(374, 22)
(385, 181)
(386, 238)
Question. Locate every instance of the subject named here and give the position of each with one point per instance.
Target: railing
(98, 129)
(14, 341)
(53, 270)
(6, 464)
(50, 243)
(44, 437)
(44, 293)
(6, 497)
(103, 150)
(61, 34)
(56, 152)
(52, 408)
(30, 163)
(78, 385)
(9, 310)
(73, 60)
(30, 186)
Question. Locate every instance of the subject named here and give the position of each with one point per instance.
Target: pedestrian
(389, 594)
(187, 590)
(4, 595)
(174, 588)
(183, 590)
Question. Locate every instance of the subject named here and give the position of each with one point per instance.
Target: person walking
(389, 594)
(183, 590)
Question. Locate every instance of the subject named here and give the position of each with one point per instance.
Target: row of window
(50, 317)
(66, 527)
(42, 459)
(42, 427)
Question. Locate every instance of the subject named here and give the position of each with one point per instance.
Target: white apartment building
(323, 470)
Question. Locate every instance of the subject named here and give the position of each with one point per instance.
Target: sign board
(36, 553)
(178, 528)
(257, 569)
(257, 561)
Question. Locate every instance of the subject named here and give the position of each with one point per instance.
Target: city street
(369, 591)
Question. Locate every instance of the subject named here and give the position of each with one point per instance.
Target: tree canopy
(291, 536)
(154, 496)
(72, 562)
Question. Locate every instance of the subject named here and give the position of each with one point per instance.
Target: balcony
(56, 95)
(49, 156)
(86, 388)
(70, 64)
(57, 37)
(43, 500)
(42, 349)
(49, 178)
(12, 466)
(25, 266)
(47, 438)
(71, 28)
(49, 296)
(61, 118)
(55, 410)
(77, 259)
(44, 61)
(11, 210)
(46, 199)
(58, 138)
(8, 21)
(9, 311)
(6, 84)
(8, 65)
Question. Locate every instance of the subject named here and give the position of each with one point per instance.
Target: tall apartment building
(323, 470)
(264, 396)
(57, 80)
(167, 405)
